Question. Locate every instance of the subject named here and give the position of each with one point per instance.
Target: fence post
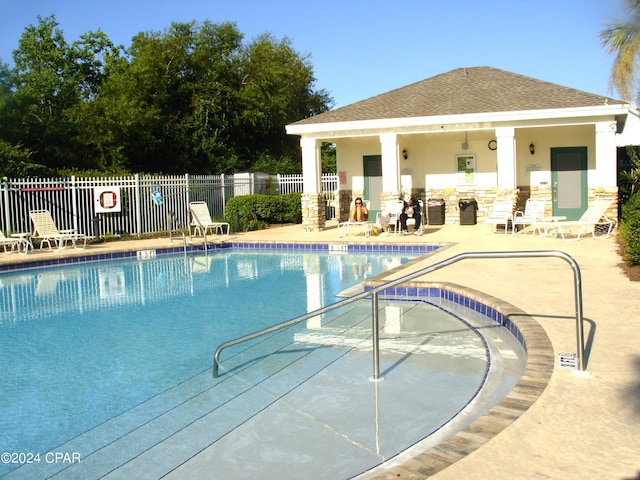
(138, 206)
(186, 189)
(7, 209)
(74, 202)
(224, 192)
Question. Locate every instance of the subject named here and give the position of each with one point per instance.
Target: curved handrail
(373, 292)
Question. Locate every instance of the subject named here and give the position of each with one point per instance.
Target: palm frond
(622, 39)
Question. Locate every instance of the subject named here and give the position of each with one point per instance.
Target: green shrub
(255, 212)
(630, 230)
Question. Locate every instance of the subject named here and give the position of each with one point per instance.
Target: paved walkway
(581, 427)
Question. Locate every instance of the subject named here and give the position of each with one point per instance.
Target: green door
(569, 187)
(372, 168)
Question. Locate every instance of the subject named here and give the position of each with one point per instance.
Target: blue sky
(361, 48)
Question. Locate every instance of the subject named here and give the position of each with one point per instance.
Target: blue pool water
(112, 361)
(81, 344)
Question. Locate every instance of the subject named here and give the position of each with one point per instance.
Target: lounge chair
(594, 216)
(45, 229)
(533, 213)
(14, 243)
(201, 220)
(500, 214)
(343, 227)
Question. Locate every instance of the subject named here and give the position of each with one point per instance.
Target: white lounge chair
(500, 214)
(5, 242)
(594, 216)
(533, 213)
(45, 229)
(201, 220)
(343, 227)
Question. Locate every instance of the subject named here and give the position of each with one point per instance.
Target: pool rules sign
(568, 360)
(106, 199)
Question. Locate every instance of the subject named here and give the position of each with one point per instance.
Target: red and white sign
(107, 199)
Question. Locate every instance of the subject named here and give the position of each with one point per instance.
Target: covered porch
(565, 155)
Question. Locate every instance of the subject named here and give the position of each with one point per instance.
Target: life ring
(157, 198)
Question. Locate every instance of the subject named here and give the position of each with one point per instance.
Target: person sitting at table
(411, 208)
(359, 212)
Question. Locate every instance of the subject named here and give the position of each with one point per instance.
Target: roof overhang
(630, 134)
(470, 121)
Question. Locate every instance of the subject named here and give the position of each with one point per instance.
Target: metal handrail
(171, 220)
(374, 292)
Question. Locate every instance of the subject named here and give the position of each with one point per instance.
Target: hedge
(255, 212)
(630, 230)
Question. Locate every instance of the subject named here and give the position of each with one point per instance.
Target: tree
(49, 80)
(328, 157)
(622, 38)
(629, 181)
(193, 98)
(16, 162)
(276, 89)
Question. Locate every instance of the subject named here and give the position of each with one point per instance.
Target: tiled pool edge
(72, 256)
(534, 380)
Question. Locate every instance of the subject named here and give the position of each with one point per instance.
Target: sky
(362, 48)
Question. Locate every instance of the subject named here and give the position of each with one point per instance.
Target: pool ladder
(375, 291)
(171, 220)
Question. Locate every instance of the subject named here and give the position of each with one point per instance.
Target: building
(479, 133)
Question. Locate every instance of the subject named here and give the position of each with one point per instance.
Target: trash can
(468, 211)
(435, 211)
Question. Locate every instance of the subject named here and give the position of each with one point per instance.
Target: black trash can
(468, 211)
(435, 211)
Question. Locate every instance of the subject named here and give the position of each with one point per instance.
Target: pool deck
(581, 426)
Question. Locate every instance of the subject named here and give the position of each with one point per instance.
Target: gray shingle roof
(463, 91)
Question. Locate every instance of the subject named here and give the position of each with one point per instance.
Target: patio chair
(45, 229)
(533, 213)
(500, 214)
(594, 216)
(412, 221)
(201, 220)
(391, 216)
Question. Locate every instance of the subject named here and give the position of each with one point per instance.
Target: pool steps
(177, 423)
(165, 422)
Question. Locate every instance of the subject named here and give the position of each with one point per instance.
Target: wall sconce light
(405, 155)
(532, 148)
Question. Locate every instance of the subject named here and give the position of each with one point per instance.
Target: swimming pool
(100, 352)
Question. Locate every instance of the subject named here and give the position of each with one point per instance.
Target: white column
(505, 137)
(390, 163)
(311, 166)
(605, 173)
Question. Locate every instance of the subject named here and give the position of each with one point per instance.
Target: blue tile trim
(424, 293)
(301, 247)
(337, 247)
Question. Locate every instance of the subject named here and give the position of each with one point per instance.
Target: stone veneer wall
(313, 213)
